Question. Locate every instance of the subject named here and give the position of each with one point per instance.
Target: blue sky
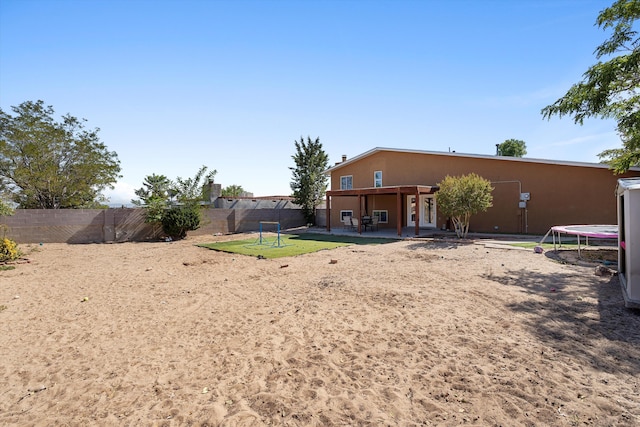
(174, 85)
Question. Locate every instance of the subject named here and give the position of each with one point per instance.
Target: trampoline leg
(578, 246)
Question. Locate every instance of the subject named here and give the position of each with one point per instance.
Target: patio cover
(399, 191)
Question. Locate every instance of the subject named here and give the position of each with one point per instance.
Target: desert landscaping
(408, 333)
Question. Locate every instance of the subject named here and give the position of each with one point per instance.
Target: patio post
(359, 213)
(399, 212)
(328, 211)
(418, 207)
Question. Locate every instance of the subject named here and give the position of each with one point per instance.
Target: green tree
(50, 165)
(186, 214)
(232, 191)
(193, 190)
(610, 89)
(177, 220)
(512, 148)
(459, 197)
(155, 196)
(5, 209)
(175, 205)
(309, 181)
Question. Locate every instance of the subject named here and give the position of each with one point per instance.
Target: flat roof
(474, 156)
(629, 183)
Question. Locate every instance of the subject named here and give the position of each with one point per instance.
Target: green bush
(180, 219)
(459, 197)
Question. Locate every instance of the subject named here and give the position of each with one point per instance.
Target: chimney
(344, 157)
(214, 190)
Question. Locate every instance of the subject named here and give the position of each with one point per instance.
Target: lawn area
(290, 244)
(607, 255)
(569, 244)
(546, 246)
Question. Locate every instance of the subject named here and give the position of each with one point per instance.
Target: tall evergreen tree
(309, 182)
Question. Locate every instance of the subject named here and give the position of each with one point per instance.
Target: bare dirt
(416, 332)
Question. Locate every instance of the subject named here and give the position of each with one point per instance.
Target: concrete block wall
(321, 217)
(78, 225)
(126, 224)
(245, 220)
(48, 226)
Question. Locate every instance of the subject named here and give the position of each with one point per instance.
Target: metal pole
(260, 232)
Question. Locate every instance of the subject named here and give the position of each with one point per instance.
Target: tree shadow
(581, 315)
(354, 240)
(438, 244)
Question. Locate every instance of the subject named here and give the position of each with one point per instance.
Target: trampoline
(593, 231)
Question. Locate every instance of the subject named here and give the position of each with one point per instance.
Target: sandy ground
(409, 333)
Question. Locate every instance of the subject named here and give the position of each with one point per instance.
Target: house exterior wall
(560, 193)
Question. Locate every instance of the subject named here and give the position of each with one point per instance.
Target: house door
(427, 211)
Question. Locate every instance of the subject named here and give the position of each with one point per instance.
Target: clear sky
(174, 85)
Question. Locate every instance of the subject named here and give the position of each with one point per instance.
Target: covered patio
(363, 193)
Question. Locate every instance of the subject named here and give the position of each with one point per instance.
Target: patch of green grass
(290, 244)
(548, 246)
(7, 267)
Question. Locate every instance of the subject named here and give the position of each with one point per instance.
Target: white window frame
(377, 182)
(382, 214)
(345, 213)
(346, 182)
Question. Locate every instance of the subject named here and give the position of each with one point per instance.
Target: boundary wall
(127, 224)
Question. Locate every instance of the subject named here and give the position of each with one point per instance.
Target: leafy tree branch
(610, 89)
(51, 165)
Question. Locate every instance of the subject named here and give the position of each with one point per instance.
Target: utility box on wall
(628, 193)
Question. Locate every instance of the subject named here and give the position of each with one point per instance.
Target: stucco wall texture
(560, 193)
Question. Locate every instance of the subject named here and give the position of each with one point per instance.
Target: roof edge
(476, 156)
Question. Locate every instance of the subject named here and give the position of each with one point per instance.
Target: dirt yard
(416, 332)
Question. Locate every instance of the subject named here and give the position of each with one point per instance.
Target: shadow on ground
(438, 244)
(355, 240)
(582, 315)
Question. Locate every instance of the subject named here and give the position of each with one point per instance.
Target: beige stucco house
(397, 186)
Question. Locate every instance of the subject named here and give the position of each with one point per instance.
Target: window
(377, 179)
(383, 216)
(345, 214)
(346, 182)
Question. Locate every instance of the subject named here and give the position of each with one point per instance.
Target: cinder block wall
(78, 225)
(244, 220)
(124, 224)
(321, 217)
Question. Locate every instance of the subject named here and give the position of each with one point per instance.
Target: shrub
(178, 220)
(8, 250)
(459, 197)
